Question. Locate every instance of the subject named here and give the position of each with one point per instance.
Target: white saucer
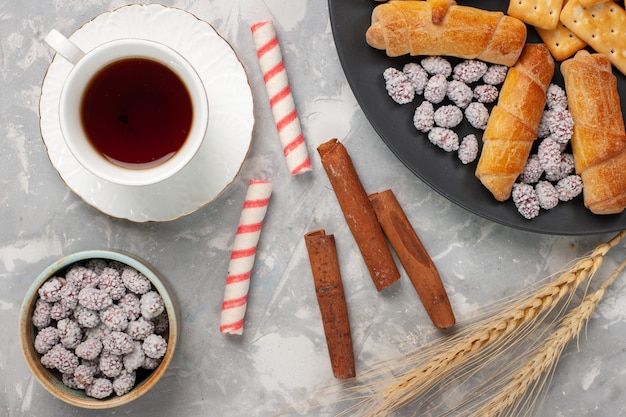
(231, 117)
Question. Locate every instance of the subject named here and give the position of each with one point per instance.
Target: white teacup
(137, 139)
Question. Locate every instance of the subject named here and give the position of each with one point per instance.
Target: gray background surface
(282, 355)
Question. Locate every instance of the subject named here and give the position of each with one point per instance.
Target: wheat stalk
(388, 394)
(547, 356)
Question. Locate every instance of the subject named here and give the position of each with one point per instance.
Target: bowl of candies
(98, 328)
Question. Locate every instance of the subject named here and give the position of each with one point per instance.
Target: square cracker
(602, 26)
(542, 14)
(561, 41)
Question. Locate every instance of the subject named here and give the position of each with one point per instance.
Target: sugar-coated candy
(135, 359)
(436, 89)
(547, 195)
(117, 343)
(560, 125)
(468, 149)
(486, 93)
(68, 296)
(70, 333)
(151, 304)
(131, 305)
(549, 153)
(114, 317)
(41, 314)
(94, 298)
(135, 281)
(437, 65)
(82, 277)
(566, 167)
(398, 86)
(100, 388)
(525, 199)
(140, 328)
(83, 328)
(46, 338)
(124, 382)
(477, 115)
(449, 116)
(60, 358)
(459, 93)
(417, 75)
(111, 283)
(469, 71)
(84, 375)
(495, 74)
(444, 138)
(110, 364)
(59, 311)
(532, 170)
(556, 99)
(424, 117)
(89, 349)
(49, 290)
(154, 346)
(569, 187)
(86, 318)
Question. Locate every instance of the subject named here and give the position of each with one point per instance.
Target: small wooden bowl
(50, 379)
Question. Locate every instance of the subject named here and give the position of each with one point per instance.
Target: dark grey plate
(442, 171)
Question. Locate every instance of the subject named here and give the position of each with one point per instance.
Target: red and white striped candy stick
(281, 100)
(242, 256)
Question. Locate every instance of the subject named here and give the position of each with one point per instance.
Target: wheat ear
(390, 394)
(547, 356)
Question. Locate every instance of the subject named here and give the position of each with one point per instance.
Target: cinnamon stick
(413, 256)
(332, 301)
(359, 213)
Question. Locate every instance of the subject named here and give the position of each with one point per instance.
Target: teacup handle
(64, 47)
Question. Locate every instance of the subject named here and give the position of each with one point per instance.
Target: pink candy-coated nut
(135, 281)
(114, 317)
(140, 328)
(469, 71)
(151, 304)
(60, 358)
(154, 346)
(399, 87)
(46, 339)
(131, 305)
(111, 283)
(41, 314)
(90, 349)
(281, 100)
(94, 299)
(111, 365)
(70, 333)
(50, 290)
(82, 277)
(101, 388)
(117, 343)
(84, 375)
(124, 382)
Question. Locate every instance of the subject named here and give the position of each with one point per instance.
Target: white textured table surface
(282, 355)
